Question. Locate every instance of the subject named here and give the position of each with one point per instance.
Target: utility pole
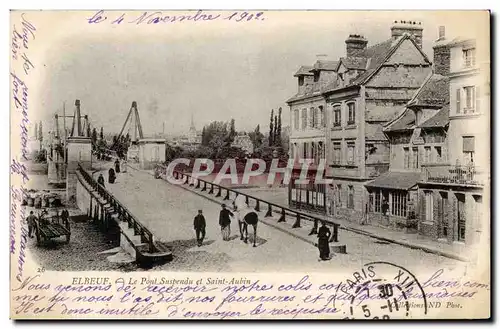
(65, 135)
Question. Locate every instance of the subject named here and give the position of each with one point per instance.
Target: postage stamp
(249, 164)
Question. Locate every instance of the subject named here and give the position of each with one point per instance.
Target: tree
(275, 134)
(101, 134)
(271, 130)
(277, 141)
(232, 131)
(40, 132)
(203, 137)
(94, 137)
(256, 137)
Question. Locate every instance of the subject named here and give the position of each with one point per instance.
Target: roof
(440, 119)
(324, 65)
(304, 70)
(434, 92)
(396, 180)
(374, 132)
(375, 56)
(355, 63)
(404, 122)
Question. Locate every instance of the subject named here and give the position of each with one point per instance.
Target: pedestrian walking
(65, 217)
(199, 226)
(117, 166)
(111, 176)
(324, 234)
(225, 222)
(100, 179)
(31, 224)
(385, 210)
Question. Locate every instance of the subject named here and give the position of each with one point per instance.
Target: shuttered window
(459, 95)
(468, 144)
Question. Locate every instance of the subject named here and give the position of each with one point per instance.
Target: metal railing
(123, 213)
(458, 174)
(219, 191)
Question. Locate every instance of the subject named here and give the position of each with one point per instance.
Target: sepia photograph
(250, 164)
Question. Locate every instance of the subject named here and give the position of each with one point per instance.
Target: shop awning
(396, 180)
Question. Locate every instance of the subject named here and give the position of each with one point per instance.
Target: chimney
(355, 45)
(78, 120)
(414, 29)
(441, 54)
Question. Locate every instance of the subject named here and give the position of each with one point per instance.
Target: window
(439, 155)
(296, 119)
(304, 119)
(336, 115)
(320, 151)
(406, 152)
(468, 149)
(469, 57)
(350, 197)
(305, 151)
(312, 117)
(414, 151)
(322, 116)
(301, 81)
(339, 195)
(427, 154)
(378, 202)
(429, 206)
(350, 153)
(466, 101)
(351, 113)
(399, 199)
(313, 151)
(336, 153)
(470, 101)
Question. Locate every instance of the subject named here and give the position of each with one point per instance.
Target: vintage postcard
(216, 164)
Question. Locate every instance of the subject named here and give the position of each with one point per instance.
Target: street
(168, 211)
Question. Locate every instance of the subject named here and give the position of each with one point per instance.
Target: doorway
(460, 215)
(442, 218)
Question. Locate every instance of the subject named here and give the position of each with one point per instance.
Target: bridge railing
(124, 213)
(258, 203)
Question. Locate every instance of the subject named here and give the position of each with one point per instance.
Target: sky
(210, 72)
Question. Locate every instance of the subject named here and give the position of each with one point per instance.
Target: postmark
(382, 291)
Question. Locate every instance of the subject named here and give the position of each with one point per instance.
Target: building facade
(372, 86)
(451, 195)
(307, 131)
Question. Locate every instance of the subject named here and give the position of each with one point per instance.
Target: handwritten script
(127, 297)
(158, 17)
(23, 34)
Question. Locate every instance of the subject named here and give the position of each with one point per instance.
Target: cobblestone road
(168, 211)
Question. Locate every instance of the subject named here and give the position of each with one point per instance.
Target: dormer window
(469, 56)
(301, 80)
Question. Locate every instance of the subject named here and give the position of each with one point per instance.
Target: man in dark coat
(225, 222)
(117, 166)
(199, 226)
(100, 179)
(31, 224)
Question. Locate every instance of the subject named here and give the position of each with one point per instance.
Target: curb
(408, 244)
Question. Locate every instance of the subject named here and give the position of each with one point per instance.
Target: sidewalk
(414, 241)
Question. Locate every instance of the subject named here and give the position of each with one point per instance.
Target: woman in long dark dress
(111, 176)
(324, 234)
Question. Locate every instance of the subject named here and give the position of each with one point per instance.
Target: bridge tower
(79, 150)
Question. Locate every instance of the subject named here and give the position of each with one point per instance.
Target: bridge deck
(168, 211)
